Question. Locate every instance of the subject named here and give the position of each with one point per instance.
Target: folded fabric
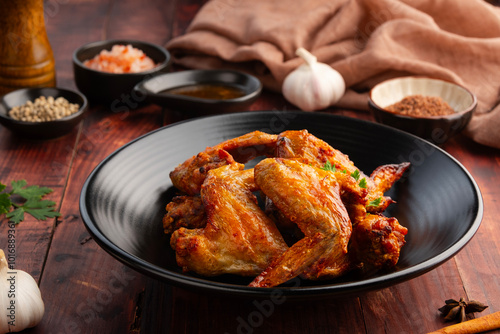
(366, 41)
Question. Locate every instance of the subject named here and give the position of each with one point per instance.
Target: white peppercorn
(44, 109)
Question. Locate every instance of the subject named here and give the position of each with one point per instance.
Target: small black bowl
(156, 90)
(41, 130)
(115, 88)
(437, 129)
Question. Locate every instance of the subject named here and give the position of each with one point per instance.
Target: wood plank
(85, 289)
(87, 24)
(478, 262)
(44, 163)
(412, 307)
(193, 314)
(40, 162)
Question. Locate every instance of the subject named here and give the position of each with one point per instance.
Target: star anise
(458, 309)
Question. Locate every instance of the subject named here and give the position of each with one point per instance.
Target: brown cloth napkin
(366, 41)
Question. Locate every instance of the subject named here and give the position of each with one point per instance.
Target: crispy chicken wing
(305, 147)
(238, 237)
(184, 211)
(310, 197)
(381, 180)
(376, 241)
(189, 176)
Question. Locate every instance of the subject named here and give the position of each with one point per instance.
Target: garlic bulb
(20, 299)
(313, 85)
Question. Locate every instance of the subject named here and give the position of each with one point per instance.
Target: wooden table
(87, 291)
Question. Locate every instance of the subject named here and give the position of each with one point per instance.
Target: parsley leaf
(33, 203)
(16, 216)
(5, 203)
(375, 202)
(329, 167)
(362, 183)
(356, 174)
(31, 192)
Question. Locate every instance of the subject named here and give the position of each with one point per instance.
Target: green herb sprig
(356, 174)
(31, 202)
(329, 167)
(376, 202)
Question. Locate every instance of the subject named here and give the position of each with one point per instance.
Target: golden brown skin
(189, 176)
(184, 211)
(305, 147)
(381, 180)
(238, 237)
(376, 241)
(310, 197)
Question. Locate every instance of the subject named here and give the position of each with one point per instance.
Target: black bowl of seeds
(42, 113)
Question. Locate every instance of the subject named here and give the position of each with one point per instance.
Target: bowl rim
(81, 110)
(104, 43)
(141, 87)
(455, 115)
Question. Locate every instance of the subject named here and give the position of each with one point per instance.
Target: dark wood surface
(87, 291)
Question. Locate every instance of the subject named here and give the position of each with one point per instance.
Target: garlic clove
(20, 297)
(313, 85)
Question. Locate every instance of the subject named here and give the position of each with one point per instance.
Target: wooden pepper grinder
(26, 58)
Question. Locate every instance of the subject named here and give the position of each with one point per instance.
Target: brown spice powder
(421, 106)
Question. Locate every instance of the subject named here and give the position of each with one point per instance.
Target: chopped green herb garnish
(32, 202)
(329, 167)
(356, 174)
(362, 183)
(375, 202)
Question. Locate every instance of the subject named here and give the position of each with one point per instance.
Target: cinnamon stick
(478, 325)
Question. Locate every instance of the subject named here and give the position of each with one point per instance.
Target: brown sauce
(208, 91)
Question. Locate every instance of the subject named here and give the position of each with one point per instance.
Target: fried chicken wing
(184, 211)
(376, 241)
(302, 146)
(305, 147)
(189, 176)
(382, 179)
(238, 237)
(310, 197)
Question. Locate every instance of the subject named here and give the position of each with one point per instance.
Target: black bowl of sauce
(201, 91)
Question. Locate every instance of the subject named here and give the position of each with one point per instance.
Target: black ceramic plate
(123, 200)
(154, 90)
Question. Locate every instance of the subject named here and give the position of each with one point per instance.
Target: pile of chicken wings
(318, 216)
